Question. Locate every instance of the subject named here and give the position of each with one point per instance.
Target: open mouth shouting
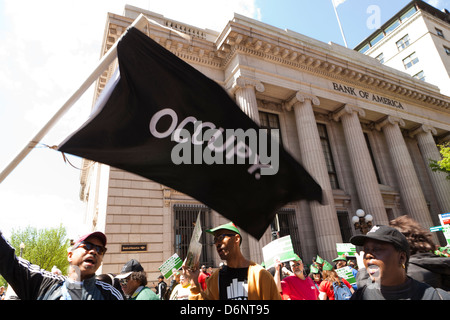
(374, 271)
(90, 261)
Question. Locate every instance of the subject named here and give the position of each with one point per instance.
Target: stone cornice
(290, 51)
(301, 56)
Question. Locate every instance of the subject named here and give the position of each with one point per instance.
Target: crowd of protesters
(397, 262)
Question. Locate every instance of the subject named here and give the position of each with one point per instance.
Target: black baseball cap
(130, 267)
(385, 234)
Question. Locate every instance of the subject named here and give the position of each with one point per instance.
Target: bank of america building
(363, 130)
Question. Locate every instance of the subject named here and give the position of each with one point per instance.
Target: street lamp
(22, 246)
(362, 221)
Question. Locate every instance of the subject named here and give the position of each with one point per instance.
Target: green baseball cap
(227, 226)
(327, 266)
(314, 269)
(340, 258)
(319, 260)
(296, 258)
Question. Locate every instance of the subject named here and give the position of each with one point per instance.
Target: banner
(162, 119)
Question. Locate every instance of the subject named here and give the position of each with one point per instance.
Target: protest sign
(195, 247)
(347, 274)
(174, 262)
(280, 249)
(345, 249)
(446, 230)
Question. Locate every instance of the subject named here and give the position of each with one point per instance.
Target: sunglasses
(220, 237)
(89, 246)
(123, 282)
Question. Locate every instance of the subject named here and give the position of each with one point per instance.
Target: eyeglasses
(89, 246)
(297, 264)
(123, 282)
(220, 237)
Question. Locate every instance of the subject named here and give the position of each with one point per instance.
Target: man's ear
(238, 238)
(69, 256)
(402, 258)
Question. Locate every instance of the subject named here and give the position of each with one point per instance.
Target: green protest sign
(446, 230)
(346, 249)
(347, 274)
(174, 262)
(281, 249)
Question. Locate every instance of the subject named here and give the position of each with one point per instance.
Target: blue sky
(48, 49)
(317, 19)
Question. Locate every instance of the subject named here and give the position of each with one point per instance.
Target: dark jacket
(30, 282)
(431, 269)
(410, 290)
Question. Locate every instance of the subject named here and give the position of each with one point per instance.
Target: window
(328, 155)
(288, 226)
(440, 33)
(408, 14)
(403, 43)
(365, 48)
(344, 226)
(270, 121)
(447, 50)
(380, 57)
(420, 76)
(372, 157)
(185, 216)
(410, 60)
(392, 26)
(377, 38)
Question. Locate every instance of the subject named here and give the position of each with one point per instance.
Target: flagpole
(104, 63)
(339, 22)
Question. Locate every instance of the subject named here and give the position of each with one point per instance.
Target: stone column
(410, 191)
(429, 150)
(246, 96)
(326, 225)
(364, 174)
(246, 99)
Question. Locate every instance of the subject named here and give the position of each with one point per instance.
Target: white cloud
(439, 4)
(434, 3)
(23, 210)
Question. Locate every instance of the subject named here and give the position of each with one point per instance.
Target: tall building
(417, 41)
(363, 130)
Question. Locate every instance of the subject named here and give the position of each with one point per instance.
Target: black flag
(164, 120)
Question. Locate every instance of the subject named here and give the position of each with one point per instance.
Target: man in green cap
(239, 279)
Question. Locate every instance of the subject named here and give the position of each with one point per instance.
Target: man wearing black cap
(239, 279)
(384, 274)
(133, 281)
(32, 283)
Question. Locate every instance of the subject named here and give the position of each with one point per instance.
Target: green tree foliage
(45, 247)
(443, 164)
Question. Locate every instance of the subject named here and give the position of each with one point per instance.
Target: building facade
(363, 130)
(417, 41)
